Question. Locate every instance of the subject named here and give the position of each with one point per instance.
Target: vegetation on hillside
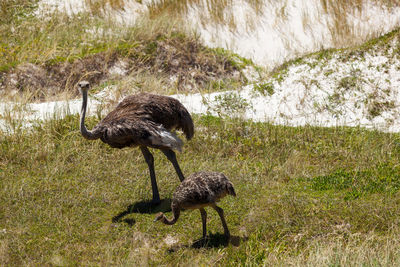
(385, 45)
(47, 57)
(355, 83)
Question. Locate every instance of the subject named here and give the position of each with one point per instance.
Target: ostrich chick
(197, 191)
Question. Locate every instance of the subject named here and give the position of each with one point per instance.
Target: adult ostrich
(144, 120)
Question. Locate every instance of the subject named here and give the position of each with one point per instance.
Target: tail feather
(163, 137)
(186, 123)
(230, 189)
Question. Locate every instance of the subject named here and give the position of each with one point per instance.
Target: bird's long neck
(176, 212)
(84, 131)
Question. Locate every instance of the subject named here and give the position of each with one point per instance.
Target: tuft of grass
(265, 88)
(349, 83)
(228, 105)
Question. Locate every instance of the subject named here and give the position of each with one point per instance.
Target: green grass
(265, 88)
(384, 178)
(302, 192)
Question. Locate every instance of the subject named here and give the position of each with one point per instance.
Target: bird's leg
(204, 221)
(170, 154)
(150, 162)
(221, 215)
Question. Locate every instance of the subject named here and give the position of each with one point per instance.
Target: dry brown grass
(220, 13)
(340, 16)
(4, 258)
(96, 6)
(343, 250)
(340, 28)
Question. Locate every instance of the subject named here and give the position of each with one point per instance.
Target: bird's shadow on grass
(217, 240)
(143, 207)
(212, 241)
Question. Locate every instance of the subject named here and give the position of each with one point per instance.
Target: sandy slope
(341, 89)
(282, 30)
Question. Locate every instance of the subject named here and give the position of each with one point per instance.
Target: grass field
(306, 196)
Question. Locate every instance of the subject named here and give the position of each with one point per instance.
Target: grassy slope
(43, 57)
(301, 192)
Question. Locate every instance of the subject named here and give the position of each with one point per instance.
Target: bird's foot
(227, 235)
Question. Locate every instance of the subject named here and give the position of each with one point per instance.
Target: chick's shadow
(216, 240)
(142, 207)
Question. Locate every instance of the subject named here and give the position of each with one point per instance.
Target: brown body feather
(138, 117)
(202, 189)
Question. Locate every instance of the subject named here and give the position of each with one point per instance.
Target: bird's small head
(159, 217)
(83, 86)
